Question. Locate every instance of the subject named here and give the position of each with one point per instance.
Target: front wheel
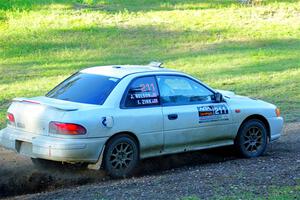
(251, 140)
(121, 156)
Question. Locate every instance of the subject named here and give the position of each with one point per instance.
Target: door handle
(172, 116)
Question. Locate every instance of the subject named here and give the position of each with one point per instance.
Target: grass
(273, 192)
(252, 50)
(190, 198)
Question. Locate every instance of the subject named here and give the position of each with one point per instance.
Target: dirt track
(203, 174)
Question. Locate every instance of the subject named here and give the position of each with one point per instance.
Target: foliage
(252, 50)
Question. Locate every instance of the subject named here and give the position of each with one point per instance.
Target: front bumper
(52, 148)
(276, 128)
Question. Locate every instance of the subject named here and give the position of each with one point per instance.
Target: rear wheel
(121, 156)
(251, 140)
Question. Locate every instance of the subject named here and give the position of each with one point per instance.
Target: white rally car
(113, 116)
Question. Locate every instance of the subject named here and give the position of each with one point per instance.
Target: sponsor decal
(213, 113)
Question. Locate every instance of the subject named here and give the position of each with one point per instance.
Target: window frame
(124, 96)
(190, 78)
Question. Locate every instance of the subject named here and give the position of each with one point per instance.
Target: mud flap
(97, 165)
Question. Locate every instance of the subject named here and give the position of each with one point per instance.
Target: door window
(180, 90)
(142, 92)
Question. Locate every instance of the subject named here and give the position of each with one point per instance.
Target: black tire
(121, 156)
(251, 140)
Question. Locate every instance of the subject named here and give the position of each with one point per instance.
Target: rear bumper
(276, 128)
(52, 148)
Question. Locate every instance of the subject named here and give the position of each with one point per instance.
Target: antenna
(156, 64)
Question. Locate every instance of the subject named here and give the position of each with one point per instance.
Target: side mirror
(218, 97)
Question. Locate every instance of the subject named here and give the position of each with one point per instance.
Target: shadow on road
(28, 179)
(187, 159)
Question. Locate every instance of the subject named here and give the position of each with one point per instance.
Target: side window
(142, 92)
(179, 90)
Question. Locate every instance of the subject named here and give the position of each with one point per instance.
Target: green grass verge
(252, 50)
(273, 192)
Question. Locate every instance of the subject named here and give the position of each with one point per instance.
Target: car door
(142, 113)
(191, 116)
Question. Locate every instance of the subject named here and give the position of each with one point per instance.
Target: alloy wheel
(121, 156)
(253, 139)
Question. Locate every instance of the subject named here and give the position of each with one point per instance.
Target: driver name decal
(213, 113)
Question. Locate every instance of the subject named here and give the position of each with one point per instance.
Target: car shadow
(187, 159)
(29, 179)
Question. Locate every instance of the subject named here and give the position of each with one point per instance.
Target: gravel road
(204, 174)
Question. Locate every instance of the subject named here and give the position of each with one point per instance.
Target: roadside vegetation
(251, 50)
(278, 193)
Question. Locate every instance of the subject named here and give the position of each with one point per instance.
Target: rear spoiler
(52, 105)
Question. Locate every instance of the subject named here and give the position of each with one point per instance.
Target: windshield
(84, 88)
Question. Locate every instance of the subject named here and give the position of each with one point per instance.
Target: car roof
(120, 71)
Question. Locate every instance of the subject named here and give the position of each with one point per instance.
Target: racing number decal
(147, 95)
(143, 92)
(213, 113)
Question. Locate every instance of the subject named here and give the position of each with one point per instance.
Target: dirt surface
(205, 174)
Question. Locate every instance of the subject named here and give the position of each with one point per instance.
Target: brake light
(29, 101)
(277, 111)
(66, 128)
(11, 118)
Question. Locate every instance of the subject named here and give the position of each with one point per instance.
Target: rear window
(84, 88)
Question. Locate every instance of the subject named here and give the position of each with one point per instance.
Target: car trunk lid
(33, 115)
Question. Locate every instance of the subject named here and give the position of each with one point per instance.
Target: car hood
(226, 93)
(235, 99)
(231, 95)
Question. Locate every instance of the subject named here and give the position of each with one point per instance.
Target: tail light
(29, 101)
(66, 128)
(10, 118)
(277, 111)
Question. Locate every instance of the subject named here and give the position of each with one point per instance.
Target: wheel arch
(260, 118)
(128, 133)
